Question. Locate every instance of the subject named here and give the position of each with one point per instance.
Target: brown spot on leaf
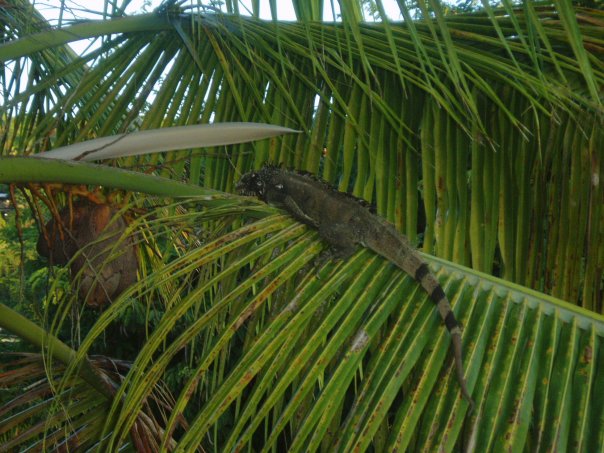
(587, 354)
(441, 183)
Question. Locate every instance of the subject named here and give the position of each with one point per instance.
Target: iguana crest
(254, 183)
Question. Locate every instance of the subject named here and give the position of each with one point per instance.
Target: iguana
(345, 223)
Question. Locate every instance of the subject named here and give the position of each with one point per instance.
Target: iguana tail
(428, 281)
(386, 241)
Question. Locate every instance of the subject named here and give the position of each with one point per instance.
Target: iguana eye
(259, 183)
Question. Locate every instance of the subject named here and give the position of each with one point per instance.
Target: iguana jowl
(346, 223)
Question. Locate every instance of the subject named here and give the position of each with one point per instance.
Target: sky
(284, 8)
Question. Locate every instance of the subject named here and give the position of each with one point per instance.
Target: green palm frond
(479, 135)
(72, 415)
(283, 354)
(295, 354)
(350, 355)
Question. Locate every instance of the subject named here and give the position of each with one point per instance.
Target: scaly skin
(346, 223)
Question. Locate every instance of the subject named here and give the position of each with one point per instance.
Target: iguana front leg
(292, 206)
(340, 236)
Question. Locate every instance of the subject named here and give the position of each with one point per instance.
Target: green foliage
(23, 275)
(229, 307)
(480, 133)
(499, 96)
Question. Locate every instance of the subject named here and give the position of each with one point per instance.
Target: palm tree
(477, 133)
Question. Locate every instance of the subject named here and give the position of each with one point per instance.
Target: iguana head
(254, 183)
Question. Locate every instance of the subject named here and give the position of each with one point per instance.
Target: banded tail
(396, 248)
(428, 281)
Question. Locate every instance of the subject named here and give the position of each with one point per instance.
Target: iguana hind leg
(337, 249)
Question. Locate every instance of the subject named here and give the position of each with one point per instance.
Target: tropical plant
(479, 135)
